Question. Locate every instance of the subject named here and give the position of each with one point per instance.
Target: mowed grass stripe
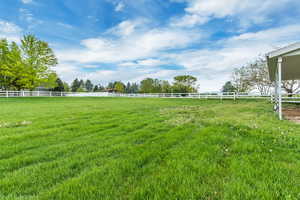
(55, 135)
(75, 141)
(84, 157)
(130, 166)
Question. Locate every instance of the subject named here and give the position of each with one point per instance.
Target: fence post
(50, 94)
(61, 94)
(234, 96)
(7, 94)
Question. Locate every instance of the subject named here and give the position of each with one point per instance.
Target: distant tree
(96, 88)
(59, 86)
(134, 88)
(119, 87)
(111, 85)
(82, 84)
(241, 79)
(184, 84)
(228, 87)
(66, 87)
(147, 85)
(101, 88)
(75, 85)
(81, 89)
(166, 87)
(89, 86)
(150, 85)
(128, 88)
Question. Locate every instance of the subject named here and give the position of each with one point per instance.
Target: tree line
(181, 84)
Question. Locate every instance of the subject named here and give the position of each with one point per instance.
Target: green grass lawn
(122, 148)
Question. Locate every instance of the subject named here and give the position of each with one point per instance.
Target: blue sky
(128, 40)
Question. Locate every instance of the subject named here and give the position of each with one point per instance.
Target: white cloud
(189, 20)
(127, 27)
(120, 6)
(10, 31)
(68, 26)
(214, 66)
(144, 63)
(27, 16)
(27, 1)
(135, 46)
(247, 12)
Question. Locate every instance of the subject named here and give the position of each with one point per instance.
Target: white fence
(214, 95)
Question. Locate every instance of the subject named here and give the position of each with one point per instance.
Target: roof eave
(284, 50)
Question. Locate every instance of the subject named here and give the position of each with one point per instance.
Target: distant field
(122, 148)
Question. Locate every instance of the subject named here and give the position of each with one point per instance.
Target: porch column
(279, 88)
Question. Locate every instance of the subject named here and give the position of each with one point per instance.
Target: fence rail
(221, 96)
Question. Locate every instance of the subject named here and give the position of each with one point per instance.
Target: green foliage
(185, 84)
(89, 86)
(66, 87)
(75, 85)
(26, 66)
(98, 88)
(150, 85)
(119, 87)
(81, 89)
(59, 85)
(136, 148)
(228, 87)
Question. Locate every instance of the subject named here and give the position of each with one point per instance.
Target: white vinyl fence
(213, 95)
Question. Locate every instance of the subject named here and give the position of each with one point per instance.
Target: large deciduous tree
(119, 87)
(28, 65)
(185, 84)
(38, 58)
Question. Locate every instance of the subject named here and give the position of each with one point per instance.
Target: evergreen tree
(89, 86)
(228, 87)
(59, 85)
(96, 88)
(128, 88)
(134, 88)
(82, 85)
(75, 85)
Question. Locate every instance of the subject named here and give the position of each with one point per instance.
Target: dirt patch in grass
(292, 114)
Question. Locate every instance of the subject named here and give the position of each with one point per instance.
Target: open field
(122, 148)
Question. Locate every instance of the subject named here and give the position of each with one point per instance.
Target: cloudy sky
(128, 40)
